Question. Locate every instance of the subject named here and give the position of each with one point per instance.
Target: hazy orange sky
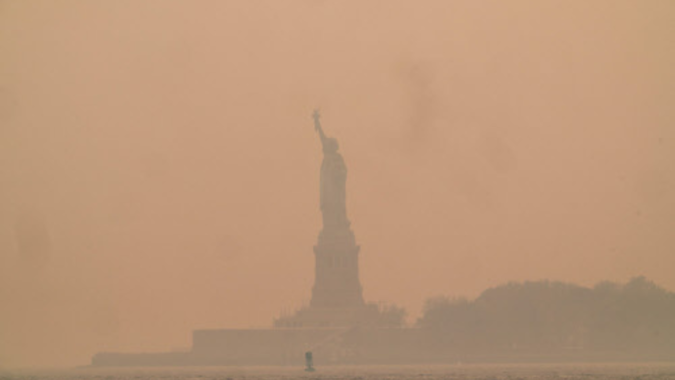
(163, 155)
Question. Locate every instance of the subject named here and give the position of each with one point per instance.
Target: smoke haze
(160, 168)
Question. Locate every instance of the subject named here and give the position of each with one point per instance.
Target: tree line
(638, 316)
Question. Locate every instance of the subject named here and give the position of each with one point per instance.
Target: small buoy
(309, 361)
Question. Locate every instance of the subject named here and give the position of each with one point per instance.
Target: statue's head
(330, 145)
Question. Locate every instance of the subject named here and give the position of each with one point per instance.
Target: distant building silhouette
(333, 325)
(534, 322)
(337, 298)
(336, 282)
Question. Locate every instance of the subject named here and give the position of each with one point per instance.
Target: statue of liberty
(333, 191)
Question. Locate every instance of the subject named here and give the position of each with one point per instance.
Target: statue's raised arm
(332, 181)
(317, 125)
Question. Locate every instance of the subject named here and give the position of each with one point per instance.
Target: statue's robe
(333, 192)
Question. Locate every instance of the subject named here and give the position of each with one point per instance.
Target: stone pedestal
(336, 283)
